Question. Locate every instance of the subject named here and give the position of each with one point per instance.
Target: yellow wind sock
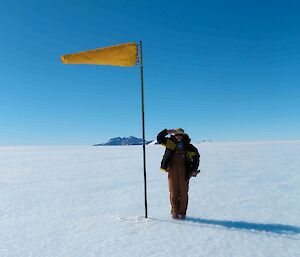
(124, 55)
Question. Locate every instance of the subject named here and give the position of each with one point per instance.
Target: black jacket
(192, 154)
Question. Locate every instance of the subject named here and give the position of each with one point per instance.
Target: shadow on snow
(243, 225)
(279, 229)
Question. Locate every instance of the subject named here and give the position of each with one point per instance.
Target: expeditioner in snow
(181, 161)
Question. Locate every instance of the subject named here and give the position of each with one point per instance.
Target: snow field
(74, 201)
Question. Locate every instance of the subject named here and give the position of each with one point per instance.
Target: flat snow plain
(69, 201)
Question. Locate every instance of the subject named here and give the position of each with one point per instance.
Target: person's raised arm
(161, 137)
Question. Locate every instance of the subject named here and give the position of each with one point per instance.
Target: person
(181, 161)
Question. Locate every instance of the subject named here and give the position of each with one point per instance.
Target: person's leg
(174, 195)
(174, 192)
(183, 195)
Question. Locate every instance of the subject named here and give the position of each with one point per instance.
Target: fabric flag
(124, 55)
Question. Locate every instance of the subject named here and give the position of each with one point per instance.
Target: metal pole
(143, 127)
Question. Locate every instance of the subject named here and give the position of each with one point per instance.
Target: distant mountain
(206, 141)
(154, 142)
(124, 141)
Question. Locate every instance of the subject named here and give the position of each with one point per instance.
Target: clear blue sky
(222, 70)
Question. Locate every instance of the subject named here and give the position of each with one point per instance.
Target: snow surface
(88, 201)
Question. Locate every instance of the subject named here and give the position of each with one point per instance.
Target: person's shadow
(254, 227)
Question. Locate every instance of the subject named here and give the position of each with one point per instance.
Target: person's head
(179, 134)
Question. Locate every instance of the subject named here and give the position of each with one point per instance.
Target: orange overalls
(178, 183)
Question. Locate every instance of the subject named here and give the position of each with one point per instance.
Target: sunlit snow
(83, 201)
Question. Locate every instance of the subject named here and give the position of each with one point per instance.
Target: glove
(195, 173)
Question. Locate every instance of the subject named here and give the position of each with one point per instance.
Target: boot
(181, 217)
(174, 215)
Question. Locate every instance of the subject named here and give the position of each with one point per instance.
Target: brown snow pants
(178, 184)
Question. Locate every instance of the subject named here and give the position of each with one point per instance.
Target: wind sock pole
(143, 126)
